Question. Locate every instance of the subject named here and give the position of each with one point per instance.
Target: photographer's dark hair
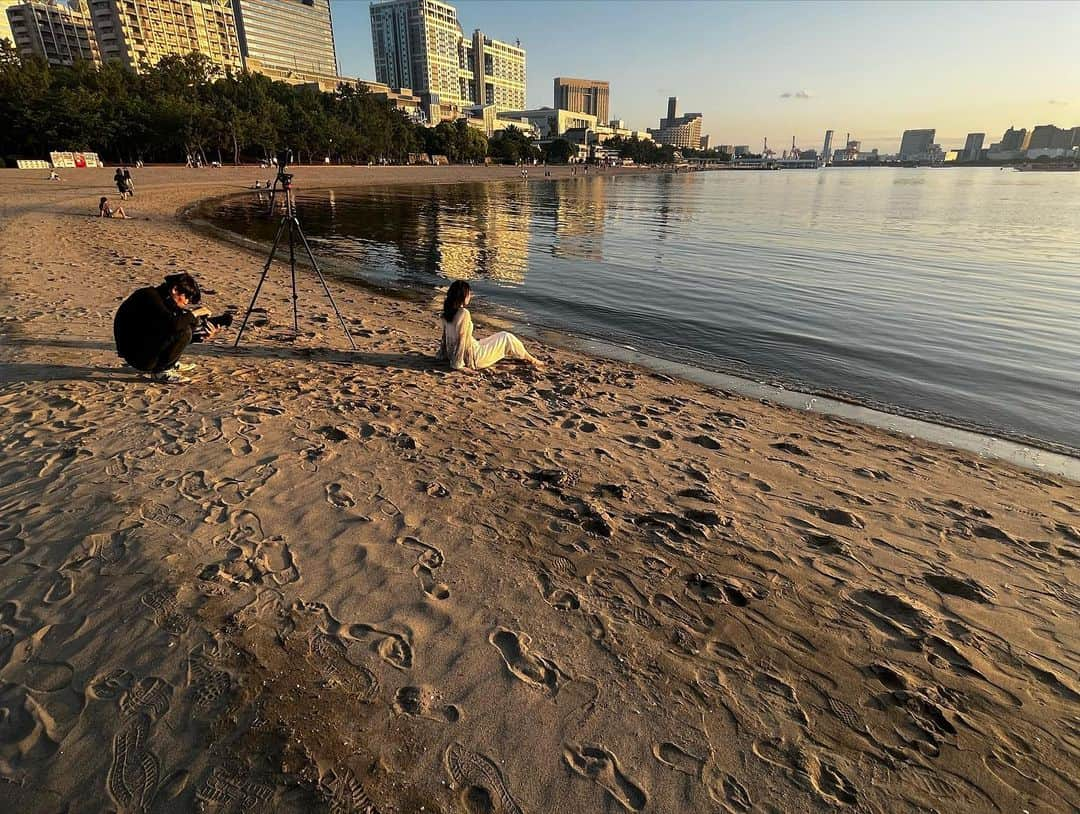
(455, 299)
(186, 285)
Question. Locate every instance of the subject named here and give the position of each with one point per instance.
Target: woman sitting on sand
(461, 349)
(106, 211)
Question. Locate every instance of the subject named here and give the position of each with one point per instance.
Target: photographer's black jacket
(146, 323)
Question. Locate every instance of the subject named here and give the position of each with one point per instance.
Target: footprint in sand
(134, 773)
(722, 590)
(479, 783)
(601, 766)
(839, 517)
(231, 787)
(555, 596)
(339, 497)
(428, 560)
(339, 670)
(424, 702)
(677, 758)
(61, 588)
(642, 442)
(157, 513)
(165, 612)
(110, 686)
(706, 441)
(240, 446)
(535, 670)
(967, 589)
(345, 792)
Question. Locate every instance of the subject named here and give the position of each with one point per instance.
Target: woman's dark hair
(186, 285)
(455, 299)
(102, 201)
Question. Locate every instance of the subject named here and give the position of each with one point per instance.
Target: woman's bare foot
(532, 360)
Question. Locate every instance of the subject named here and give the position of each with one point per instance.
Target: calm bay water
(949, 294)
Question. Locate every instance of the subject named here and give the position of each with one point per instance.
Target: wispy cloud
(1056, 102)
(798, 94)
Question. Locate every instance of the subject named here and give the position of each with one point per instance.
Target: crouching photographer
(155, 324)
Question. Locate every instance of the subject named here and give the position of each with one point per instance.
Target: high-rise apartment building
(973, 147)
(917, 145)
(288, 40)
(419, 44)
(63, 35)
(1050, 137)
(679, 131)
(583, 96)
(1014, 139)
(139, 33)
(497, 72)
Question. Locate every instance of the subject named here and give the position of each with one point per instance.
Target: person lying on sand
(154, 325)
(53, 176)
(461, 349)
(106, 211)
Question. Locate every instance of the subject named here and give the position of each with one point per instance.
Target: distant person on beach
(105, 210)
(121, 186)
(155, 324)
(129, 184)
(461, 349)
(53, 176)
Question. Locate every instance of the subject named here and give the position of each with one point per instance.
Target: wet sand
(312, 579)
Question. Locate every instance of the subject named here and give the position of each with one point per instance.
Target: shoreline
(315, 579)
(997, 443)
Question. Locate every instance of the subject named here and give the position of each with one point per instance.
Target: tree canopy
(642, 151)
(513, 146)
(183, 106)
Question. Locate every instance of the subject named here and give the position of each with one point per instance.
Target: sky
(783, 69)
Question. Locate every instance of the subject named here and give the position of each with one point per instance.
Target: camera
(204, 323)
(284, 158)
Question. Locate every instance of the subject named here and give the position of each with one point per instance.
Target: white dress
(461, 349)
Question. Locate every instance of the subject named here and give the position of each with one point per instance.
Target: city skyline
(778, 69)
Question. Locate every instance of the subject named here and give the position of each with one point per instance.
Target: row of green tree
(183, 108)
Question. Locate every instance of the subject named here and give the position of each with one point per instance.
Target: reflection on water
(947, 293)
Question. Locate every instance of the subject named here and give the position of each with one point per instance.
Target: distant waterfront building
(288, 40)
(419, 44)
(138, 33)
(63, 35)
(740, 150)
(498, 71)
(1014, 139)
(850, 151)
(972, 147)
(917, 145)
(583, 96)
(1050, 141)
(826, 150)
(679, 131)
(547, 122)
(1013, 145)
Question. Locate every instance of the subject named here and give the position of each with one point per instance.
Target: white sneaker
(183, 367)
(169, 377)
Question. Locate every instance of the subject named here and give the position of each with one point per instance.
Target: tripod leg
(293, 224)
(326, 288)
(262, 279)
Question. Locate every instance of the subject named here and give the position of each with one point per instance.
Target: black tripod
(291, 223)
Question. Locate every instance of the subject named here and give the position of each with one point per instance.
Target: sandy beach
(312, 579)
